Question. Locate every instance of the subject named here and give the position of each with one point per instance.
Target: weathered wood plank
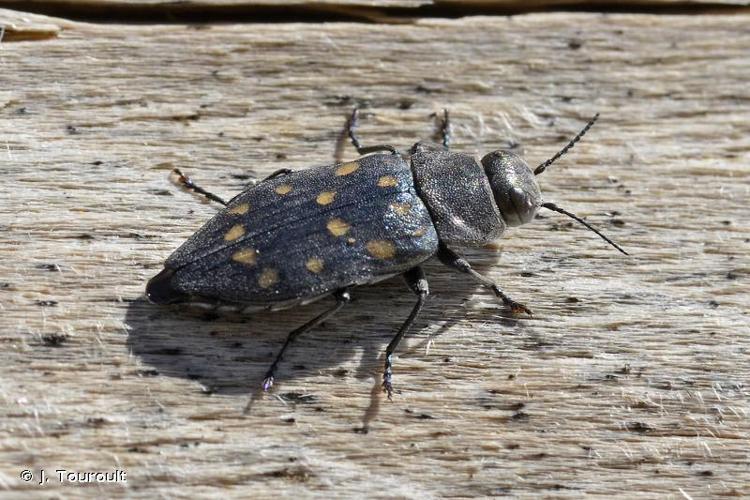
(631, 379)
(20, 26)
(208, 4)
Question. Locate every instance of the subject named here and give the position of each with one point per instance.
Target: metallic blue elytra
(300, 236)
(304, 235)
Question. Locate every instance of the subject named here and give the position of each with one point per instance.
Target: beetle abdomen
(308, 233)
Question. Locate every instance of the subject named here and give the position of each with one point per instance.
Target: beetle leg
(255, 182)
(350, 131)
(342, 297)
(351, 126)
(417, 282)
(278, 173)
(445, 128)
(186, 182)
(452, 259)
(374, 149)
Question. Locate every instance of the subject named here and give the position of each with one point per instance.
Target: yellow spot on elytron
(347, 168)
(268, 278)
(283, 189)
(314, 265)
(325, 197)
(400, 208)
(420, 232)
(234, 233)
(338, 227)
(387, 181)
(351, 241)
(247, 256)
(241, 209)
(381, 249)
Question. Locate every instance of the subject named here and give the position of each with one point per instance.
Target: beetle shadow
(450, 303)
(230, 353)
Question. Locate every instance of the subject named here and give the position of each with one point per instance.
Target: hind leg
(342, 297)
(187, 183)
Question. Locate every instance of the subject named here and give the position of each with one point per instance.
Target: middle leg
(417, 283)
(445, 128)
(350, 131)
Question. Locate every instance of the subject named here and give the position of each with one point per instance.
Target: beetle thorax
(458, 195)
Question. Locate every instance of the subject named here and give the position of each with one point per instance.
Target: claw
(267, 383)
(518, 308)
(515, 307)
(388, 387)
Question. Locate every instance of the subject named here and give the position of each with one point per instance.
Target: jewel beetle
(298, 236)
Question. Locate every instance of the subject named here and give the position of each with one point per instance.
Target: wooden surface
(359, 3)
(631, 380)
(377, 11)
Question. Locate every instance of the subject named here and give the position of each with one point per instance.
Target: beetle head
(514, 187)
(516, 191)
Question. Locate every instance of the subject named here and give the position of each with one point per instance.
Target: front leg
(452, 259)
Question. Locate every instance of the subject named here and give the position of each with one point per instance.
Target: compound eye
(524, 206)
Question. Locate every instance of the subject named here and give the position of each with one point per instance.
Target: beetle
(298, 236)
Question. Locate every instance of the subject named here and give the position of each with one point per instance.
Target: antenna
(541, 168)
(552, 206)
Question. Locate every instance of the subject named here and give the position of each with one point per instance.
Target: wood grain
(377, 11)
(631, 380)
(208, 4)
